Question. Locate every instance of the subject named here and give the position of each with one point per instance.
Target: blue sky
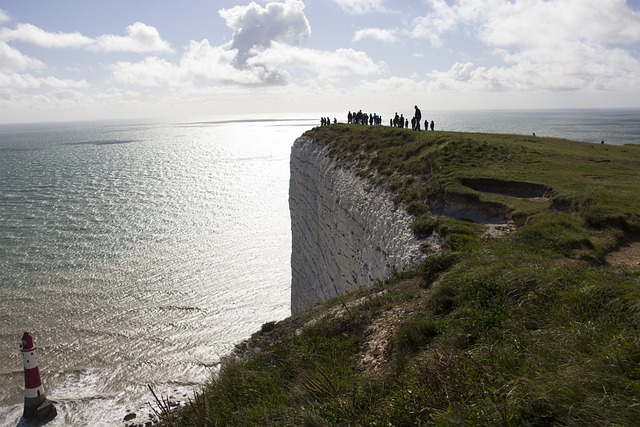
(94, 59)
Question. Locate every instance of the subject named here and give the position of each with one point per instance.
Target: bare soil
(628, 255)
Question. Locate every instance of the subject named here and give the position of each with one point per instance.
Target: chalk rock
(346, 233)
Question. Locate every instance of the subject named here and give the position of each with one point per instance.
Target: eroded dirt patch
(500, 230)
(495, 216)
(378, 345)
(627, 255)
(519, 189)
(470, 207)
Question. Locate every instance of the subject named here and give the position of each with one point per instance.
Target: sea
(139, 253)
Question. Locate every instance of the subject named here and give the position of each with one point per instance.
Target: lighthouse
(36, 404)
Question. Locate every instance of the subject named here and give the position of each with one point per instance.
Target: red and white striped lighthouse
(36, 404)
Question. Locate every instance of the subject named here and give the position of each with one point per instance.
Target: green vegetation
(533, 327)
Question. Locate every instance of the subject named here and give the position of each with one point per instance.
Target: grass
(533, 328)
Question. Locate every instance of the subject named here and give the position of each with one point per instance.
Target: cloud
(13, 60)
(378, 34)
(28, 81)
(551, 45)
(3, 16)
(202, 64)
(361, 6)
(208, 64)
(543, 23)
(150, 72)
(31, 34)
(322, 64)
(264, 50)
(261, 51)
(140, 38)
(442, 19)
(255, 27)
(524, 23)
(613, 70)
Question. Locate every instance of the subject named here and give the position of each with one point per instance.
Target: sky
(68, 60)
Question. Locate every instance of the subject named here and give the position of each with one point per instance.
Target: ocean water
(140, 253)
(136, 254)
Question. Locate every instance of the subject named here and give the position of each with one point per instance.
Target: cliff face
(345, 233)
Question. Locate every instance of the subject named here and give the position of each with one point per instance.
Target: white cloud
(525, 23)
(204, 65)
(28, 81)
(544, 23)
(201, 65)
(264, 50)
(150, 72)
(551, 45)
(255, 27)
(13, 60)
(62, 101)
(140, 38)
(378, 34)
(322, 64)
(443, 18)
(3, 16)
(361, 6)
(213, 64)
(613, 70)
(31, 34)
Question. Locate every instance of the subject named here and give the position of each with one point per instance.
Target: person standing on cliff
(417, 117)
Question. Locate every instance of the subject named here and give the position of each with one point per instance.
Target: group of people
(398, 121)
(401, 122)
(361, 118)
(326, 121)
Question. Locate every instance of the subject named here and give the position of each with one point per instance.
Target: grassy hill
(528, 316)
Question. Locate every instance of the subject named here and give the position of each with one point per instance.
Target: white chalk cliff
(346, 233)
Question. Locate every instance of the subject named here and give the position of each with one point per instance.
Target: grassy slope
(532, 328)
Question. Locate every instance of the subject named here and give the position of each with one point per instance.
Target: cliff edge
(346, 232)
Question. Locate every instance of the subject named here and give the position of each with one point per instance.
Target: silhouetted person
(418, 117)
(433, 125)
